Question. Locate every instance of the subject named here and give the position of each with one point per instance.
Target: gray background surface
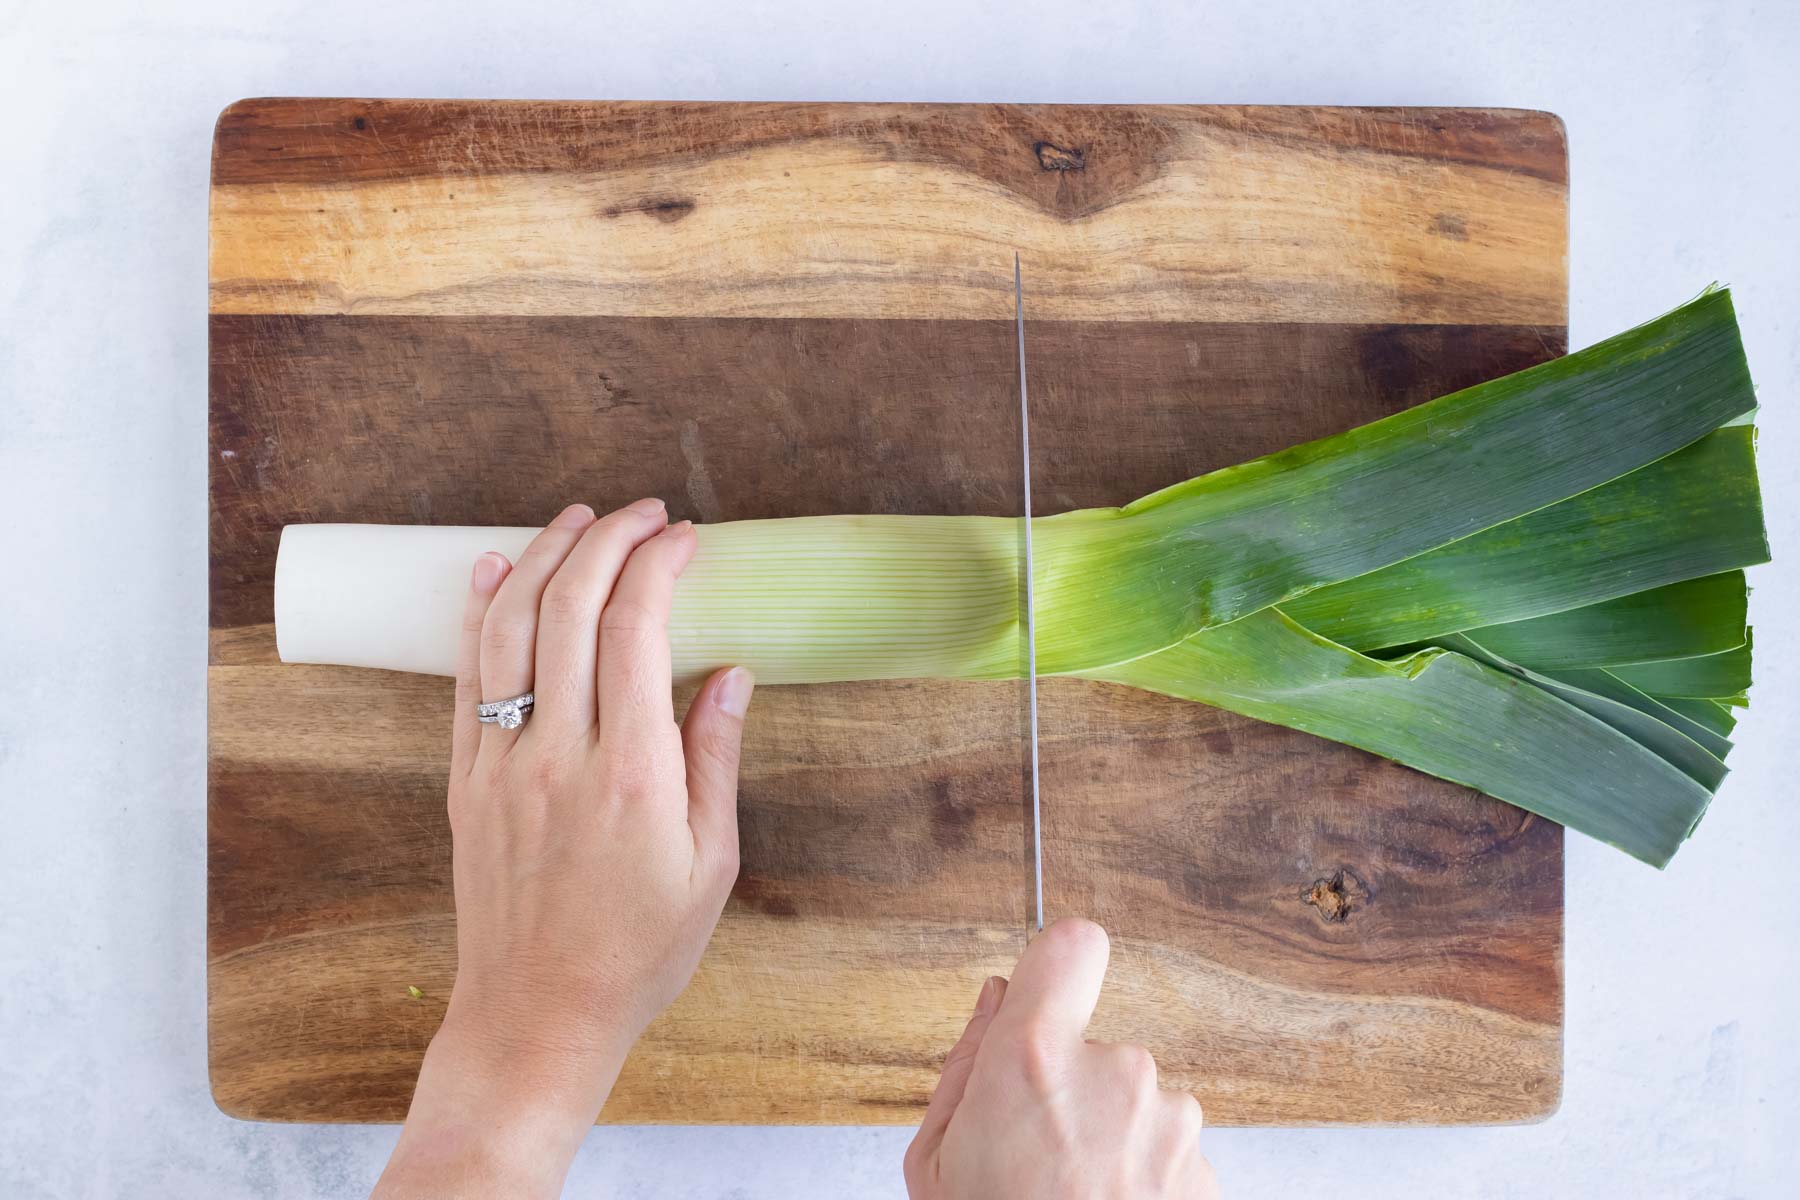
(1681, 1050)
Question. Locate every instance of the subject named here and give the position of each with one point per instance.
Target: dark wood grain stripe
(861, 802)
(1068, 159)
(316, 418)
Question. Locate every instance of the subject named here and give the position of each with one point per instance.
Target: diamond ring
(507, 714)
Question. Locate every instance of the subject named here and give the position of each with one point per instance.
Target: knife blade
(1037, 837)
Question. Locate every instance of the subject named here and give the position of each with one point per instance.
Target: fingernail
(647, 507)
(680, 528)
(734, 691)
(488, 569)
(576, 516)
(989, 1001)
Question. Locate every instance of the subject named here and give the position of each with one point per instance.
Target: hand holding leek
(593, 850)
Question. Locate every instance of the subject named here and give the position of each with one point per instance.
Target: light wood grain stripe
(1262, 1053)
(1228, 228)
(289, 1021)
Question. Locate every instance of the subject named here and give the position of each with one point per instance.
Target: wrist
(500, 1109)
(522, 1070)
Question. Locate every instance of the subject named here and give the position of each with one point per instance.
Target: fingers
(1185, 1112)
(1180, 1121)
(711, 739)
(509, 632)
(569, 618)
(1057, 983)
(953, 1083)
(1127, 1066)
(484, 581)
(635, 709)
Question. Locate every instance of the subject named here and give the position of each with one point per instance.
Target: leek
(1533, 586)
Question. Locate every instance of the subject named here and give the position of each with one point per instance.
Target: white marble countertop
(1681, 1051)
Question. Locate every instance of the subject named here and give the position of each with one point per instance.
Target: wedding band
(507, 714)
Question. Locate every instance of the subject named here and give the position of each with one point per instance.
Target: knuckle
(564, 604)
(631, 618)
(493, 770)
(615, 527)
(1141, 1079)
(543, 774)
(718, 751)
(661, 549)
(1037, 1055)
(631, 780)
(504, 637)
(545, 551)
(1138, 1063)
(1132, 1071)
(912, 1165)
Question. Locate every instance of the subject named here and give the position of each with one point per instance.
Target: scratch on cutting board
(699, 484)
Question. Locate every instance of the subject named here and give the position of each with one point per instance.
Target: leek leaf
(1601, 682)
(1679, 620)
(1717, 718)
(1724, 677)
(1443, 713)
(1669, 743)
(1219, 547)
(1698, 512)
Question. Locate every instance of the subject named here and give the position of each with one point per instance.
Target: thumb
(711, 738)
(958, 1066)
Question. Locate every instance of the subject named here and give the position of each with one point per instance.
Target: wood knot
(667, 209)
(1337, 895)
(764, 895)
(1450, 225)
(1052, 157)
(952, 824)
(610, 394)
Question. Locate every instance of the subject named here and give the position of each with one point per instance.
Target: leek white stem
(802, 600)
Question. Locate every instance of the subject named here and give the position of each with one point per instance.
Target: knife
(1037, 834)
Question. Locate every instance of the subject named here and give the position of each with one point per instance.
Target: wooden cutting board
(473, 313)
